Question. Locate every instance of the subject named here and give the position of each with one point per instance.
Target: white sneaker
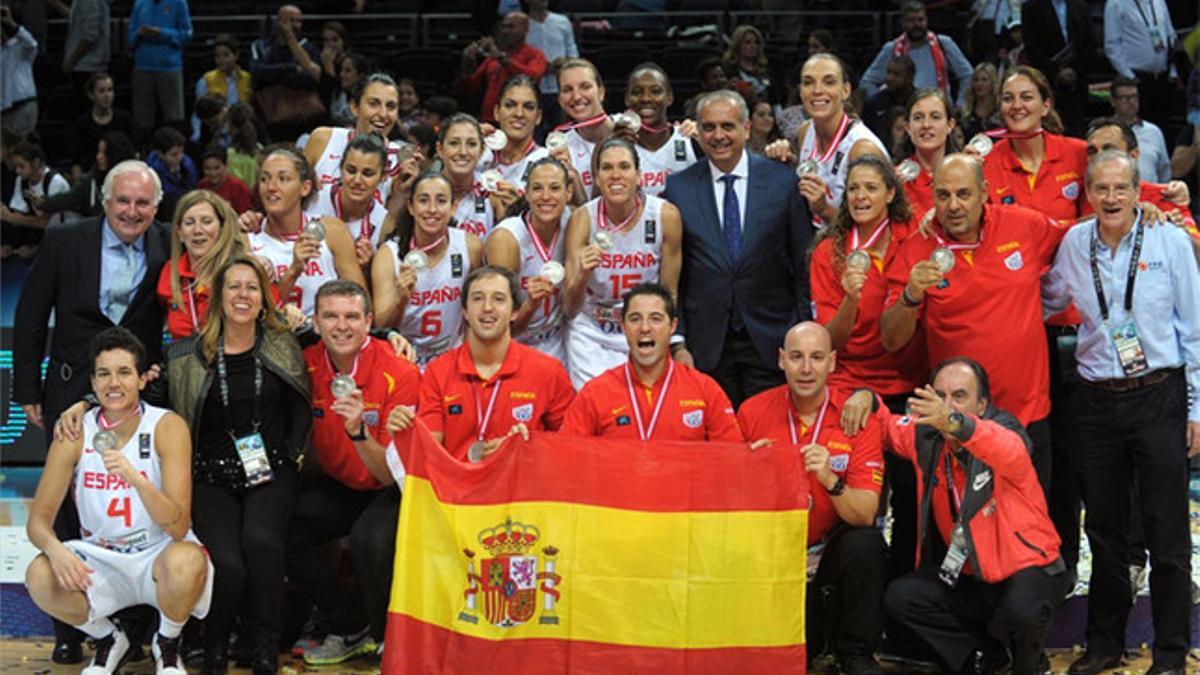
(167, 659)
(109, 654)
(340, 648)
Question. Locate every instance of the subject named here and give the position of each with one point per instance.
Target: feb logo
(523, 412)
(839, 463)
(1071, 190)
(1014, 261)
(505, 590)
(693, 419)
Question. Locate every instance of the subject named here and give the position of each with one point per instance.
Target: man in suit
(1058, 41)
(93, 274)
(746, 231)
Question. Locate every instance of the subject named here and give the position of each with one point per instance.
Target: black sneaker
(109, 654)
(860, 664)
(988, 659)
(167, 660)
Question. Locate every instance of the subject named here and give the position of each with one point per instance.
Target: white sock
(169, 628)
(99, 628)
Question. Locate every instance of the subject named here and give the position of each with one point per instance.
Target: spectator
(208, 124)
(790, 118)
(284, 65)
(988, 20)
(1153, 162)
(101, 119)
(89, 42)
(175, 170)
(335, 41)
(425, 138)
(1184, 160)
(351, 68)
(820, 40)
(23, 222)
(437, 110)
(553, 34)
(502, 57)
(763, 129)
(710, 73)
(981, 105)
(1058, 39)
(218, 179)
(158, 31)
(898, 86)
(84, 197)
(18, 90)
(8, 140)
(1138, 40)
(746, 62)
(939, 62)
(228, 81)
(244, 134)
(409, 110)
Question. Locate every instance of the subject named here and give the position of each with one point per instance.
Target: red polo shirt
(234, 190)
(530, 387)
(693, 408)
(492, 73)
(862, 361)
(386, 381)
(858, 460)
(1056, 189)
(990, 308)
(1153, 193)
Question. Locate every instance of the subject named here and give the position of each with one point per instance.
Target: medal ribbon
(109, 426)
(496, 154)
(412, 245)
(820, 421)
(583, 124)
(353, 369)
(646, 431)
(1005, 133)
(957, 246)
(843, 128)
(485, 417)
(543, 251)
(875, 235)
(367, 229)
(657, 130)
(606, 224)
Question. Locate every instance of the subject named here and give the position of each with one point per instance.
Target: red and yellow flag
(579, 555)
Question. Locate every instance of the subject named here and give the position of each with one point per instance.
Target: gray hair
(731, 97)
(1107, 157)
(131, 166)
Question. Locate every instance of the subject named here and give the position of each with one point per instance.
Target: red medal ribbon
(816, 425)
(646, 431)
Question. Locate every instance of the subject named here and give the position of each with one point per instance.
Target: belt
(17, 104)
(1123, 384)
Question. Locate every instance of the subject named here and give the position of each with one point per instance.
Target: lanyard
(955, 498)
(816, 425)
(544, 252)
(583, 124)
(480, 415)
(223, 382)
(192, 307)
(875, 235)
(645, 432)
(1153, 20)
(1133, 270)
(843, 128)
(606, 224)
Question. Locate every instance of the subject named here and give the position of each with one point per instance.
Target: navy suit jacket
(768, 283)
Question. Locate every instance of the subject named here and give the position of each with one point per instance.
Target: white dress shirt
(742, 171)
(1128, 43)
(1154, 163)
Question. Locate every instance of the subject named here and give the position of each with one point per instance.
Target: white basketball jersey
(832, 163)
(581, 158)
(329, 167)
(433, 318)
(370, 226)
(317, 270)
(474, 213)
(675, 155)
(516, 173)
(547, 326)
(111, 513)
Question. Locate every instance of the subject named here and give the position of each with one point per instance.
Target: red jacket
(523, 59)
(1008, 525)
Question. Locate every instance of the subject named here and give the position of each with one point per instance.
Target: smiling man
(356, 381)
(652, 396)
(987, 304)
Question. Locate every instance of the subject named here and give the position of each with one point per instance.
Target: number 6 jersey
(433, 318)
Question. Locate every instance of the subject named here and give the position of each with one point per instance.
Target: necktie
(731, 217)
(120, 290)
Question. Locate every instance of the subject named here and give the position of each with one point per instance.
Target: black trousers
(327, 510)
(953, 621)
(844, 603)
(1158, 99)
(902, 494)
(1063, 499)
(1118, 436)
(244, 533)
(741, 371)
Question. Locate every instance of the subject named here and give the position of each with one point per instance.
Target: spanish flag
(578, 555)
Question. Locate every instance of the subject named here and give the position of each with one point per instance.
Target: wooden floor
(32, 657)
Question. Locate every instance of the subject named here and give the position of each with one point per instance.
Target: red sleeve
(823, 281)
(561, 396)
(477, 79)
(529, 61)
(1048, 234)
(722, 424)
(898, 433)
(580, 419)
(1000, 448)
(897, 273)
(866, 462)
(429, 401)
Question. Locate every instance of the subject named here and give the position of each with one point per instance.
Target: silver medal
(553, 271)
(491, 179)
(315, 229)
(475, 452)
(104, 440)
(416, 260)
(859, 260)
(603, 240)
(556, 140)
(342, 386)
(808, 166)
(943, 258)
(628, 119)
(981, 143)
(908, 171)
(496, 140)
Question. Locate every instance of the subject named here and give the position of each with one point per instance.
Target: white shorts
(591, 352)
(123, 580)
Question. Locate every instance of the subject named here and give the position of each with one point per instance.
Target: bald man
(285, 56)
(845, 477)
(489, 62)
(985, 300)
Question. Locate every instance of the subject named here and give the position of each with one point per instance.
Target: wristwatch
(838, 488)
(955, 423)
(362, 433)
